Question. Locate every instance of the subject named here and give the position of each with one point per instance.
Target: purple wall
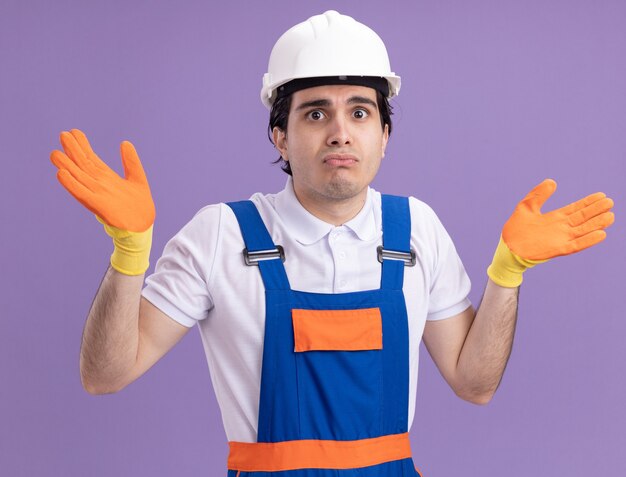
(496, 96)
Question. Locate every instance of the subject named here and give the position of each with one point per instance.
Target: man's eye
(316, 115)
(360, 113)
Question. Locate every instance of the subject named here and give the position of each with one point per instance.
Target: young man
(311, 302)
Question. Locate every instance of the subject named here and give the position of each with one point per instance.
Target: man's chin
(342, 190)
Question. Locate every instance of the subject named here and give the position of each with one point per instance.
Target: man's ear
(385, 139)
(279, 137)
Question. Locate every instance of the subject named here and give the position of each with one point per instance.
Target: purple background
(496, 96)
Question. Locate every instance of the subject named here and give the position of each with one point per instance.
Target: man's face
(334, 142)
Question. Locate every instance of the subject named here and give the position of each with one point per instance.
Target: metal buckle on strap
(409, 258)
(253, 258)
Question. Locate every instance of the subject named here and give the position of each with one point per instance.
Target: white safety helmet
(331, 46)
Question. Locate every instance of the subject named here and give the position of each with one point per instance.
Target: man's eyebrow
(316, 103)
(361, 100)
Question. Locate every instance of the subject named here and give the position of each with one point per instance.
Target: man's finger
(596, 208)
(585, 241)
(76, 189)
(82, 140)
(582, 203)
(74, 151)
(535, 199)
(63, 162)
(598, 222)
(133, 170)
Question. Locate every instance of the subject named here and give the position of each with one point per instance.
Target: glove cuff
(506, 268)
(131, 252)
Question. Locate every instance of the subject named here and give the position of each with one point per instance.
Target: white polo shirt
(201, 278)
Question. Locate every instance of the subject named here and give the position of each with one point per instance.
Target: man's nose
(339, 132)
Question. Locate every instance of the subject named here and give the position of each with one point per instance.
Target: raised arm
(124, 334)
(471, 349)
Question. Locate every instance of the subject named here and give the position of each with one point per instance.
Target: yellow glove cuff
(506, 268)
(131, 253)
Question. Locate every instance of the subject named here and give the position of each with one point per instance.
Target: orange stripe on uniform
(317, 454)
(337, 330)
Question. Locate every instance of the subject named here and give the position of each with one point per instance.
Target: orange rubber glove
(530, 237)
(123, 205)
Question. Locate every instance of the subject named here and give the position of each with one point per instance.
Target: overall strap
(257, 239)
(396, 250)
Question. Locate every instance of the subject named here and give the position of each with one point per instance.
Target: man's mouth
(340, 159)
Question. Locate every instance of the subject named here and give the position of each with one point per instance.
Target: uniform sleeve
(178, 286)
(449, 283)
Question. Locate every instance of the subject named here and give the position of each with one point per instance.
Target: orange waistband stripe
(337, 330)
(317, 454)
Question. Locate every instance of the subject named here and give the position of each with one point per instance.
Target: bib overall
(335, 372)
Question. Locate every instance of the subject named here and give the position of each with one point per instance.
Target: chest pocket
(338, 357)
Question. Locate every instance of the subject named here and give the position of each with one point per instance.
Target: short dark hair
(279, 116)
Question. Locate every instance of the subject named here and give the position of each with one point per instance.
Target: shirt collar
(308, 229)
